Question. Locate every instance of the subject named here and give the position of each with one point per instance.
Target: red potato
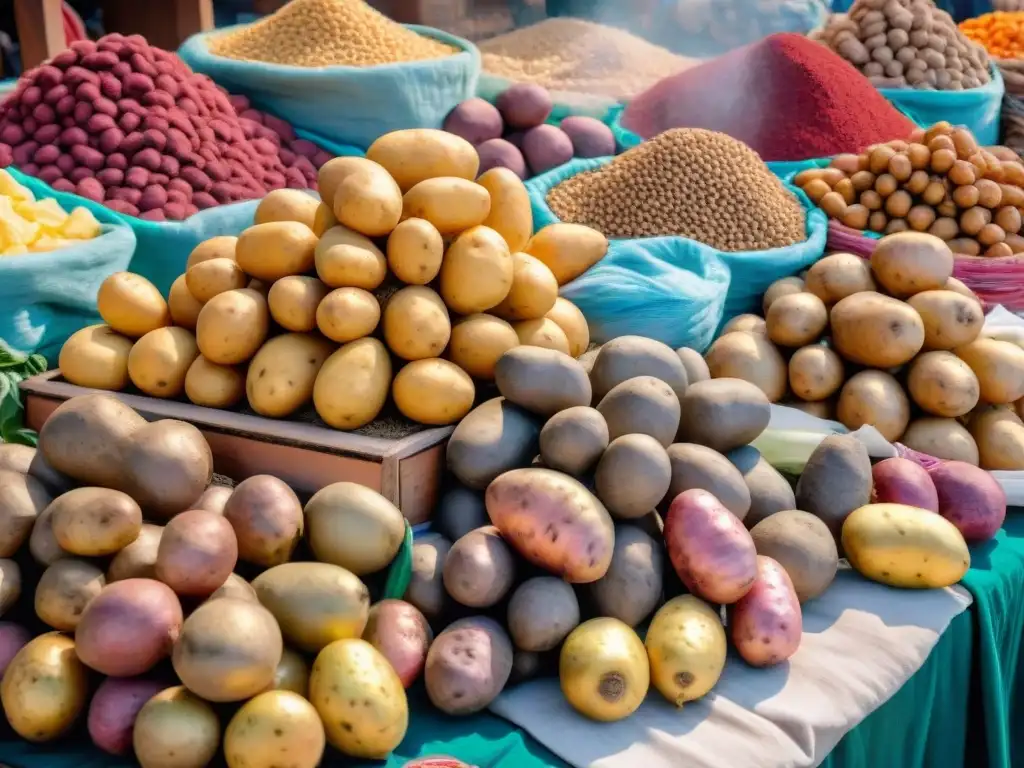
(114, 708)
(500, 153)
(970, 498)
(902, 481)
(546, 147)
(524, 105)
(766, 625)
(475, 120)
(711, 550)
(12, 638)
(197, 552)
(590, 137)
(401, 633)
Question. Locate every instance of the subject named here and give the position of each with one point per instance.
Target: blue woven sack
(350, 105)
(46, 297)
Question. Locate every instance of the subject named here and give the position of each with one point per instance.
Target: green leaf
(25, 436)
(400, 571)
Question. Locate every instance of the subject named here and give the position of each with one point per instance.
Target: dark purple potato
(515, 138)
(475, 120)
(546, 147)
(499, 153)
(524, 105)
(589, 136)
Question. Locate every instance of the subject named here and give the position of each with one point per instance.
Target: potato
(354, 527)
(627, 357)
(568, 317)
(219, 247)
(353, 384)
(168, 465)
(696, 466)
(836, 480)
(478, 342)
(999, 366)
(687, 649)
(402, 635)
(950, 320)
(433, 391)
(359, 698)
(958, 286)
(511, 215)
(477, 271)
(631, 588)
(93, 522)
(415, 154)
(22, 501)
(232, 326)
(274, 726)
(267, 518)
(281, 376)
(128, 627)
(159, 361)
(766, 624)
(910, 262)
(999, 434)
(901, 481)
(175, 729)
(13, 637)
(693, 362)
(345, 258)
(347, 314)
(449, 203)
(603, 670)
(574, 439)
(970, 498)
(368, 201)
(212, 385)
(287, 205)
(293, 300)
(138, 559)
(722, 413)
(416, 324)
(131, 305)
(837, 276)
(542, 611)
(942, 438)
(44, 689)
(796, 320)
(542, 332)
(803, 545)
(113, 710)
(334, 171)
(876, 330)
(533, 292)
(750, 357)
(815, 373)
(459, 511)
(782, 287)
(633, 475)
(96, 357)
(415, 250)
(770, 492)
(209, 278)
(480, 568)
(568, 250)
(42, 544)
(493, 438)
(63, 591)
(544, 381)
(426, 586)
(292, 673)
(905, 547)
(641, 405)
(276, 249)
(875, 398)
(468, 665)
(749, 323)
(196, 554)
(10, 585)
(942, 384)
(183, 306)
(16, 458)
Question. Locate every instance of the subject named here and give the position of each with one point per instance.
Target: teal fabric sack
(350, 105)
(46, 297)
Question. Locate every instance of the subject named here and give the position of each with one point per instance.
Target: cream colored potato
(751, 357)
(183, 305)
(324, 219)
(815, 373)
(511, 215)
(415, 251)
(287, 205)
(433, 391)
(212, 385)
(942, 384)
(572, 322)
(353, 384)
(449, 203)
(958, 286)
(542, 332)
(416, 323)
(782, 287)
(875, 330)
(347, 314)
(999, 366)
(334, 171)
(96, 357)
(875, 398)
(837, 276)
(281, 375)
(533, 292)
(478, 342)
(796, 320)
(131, 305)
(942, 438)
(999, 434)
(232, 326)
(415, 154)
(368, 201)
(477, 271)
(748, 322)
(346, 258)
(220, 247)
(293, 302)
(910, 262)
(160, 360)
(276, 249)
(208, 278)
(950, 319)
(568, 250)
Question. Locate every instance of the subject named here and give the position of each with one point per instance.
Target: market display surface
(768, 547)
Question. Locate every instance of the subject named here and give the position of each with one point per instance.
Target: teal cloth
(348, 105)
(46, 297)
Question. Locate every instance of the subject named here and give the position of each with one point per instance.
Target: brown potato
(748, 322)
(468, 665)
(750, 357)
(875, 398)
(796, 320)
(213, 499)
(876, 330)
(839, 275)
(22, 500)
(293, 302)
(16, 458)
(626, 357)
(353, 526)
(942, 384)
(999, 433)
(480, 568)
(697, 466)
(197, 553)
(999, 366)
(93, 522)
(266, 516)
(643, 405)
(633, 475)
(942, 438)
(138, 559)
(815, 373)
(168, 465)
(426, 585)
(782, 287)
(722, 414)
(64, 589)
(10, 586)
(631, 588)
(950, 319)
(542, 611)
(911, 262)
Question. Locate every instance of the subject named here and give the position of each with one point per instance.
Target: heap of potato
(410, 279)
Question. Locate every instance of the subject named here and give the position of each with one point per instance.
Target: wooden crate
(406, 470)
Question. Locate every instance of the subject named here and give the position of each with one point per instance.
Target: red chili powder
(786, 97)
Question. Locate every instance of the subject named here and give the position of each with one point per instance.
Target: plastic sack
(46, 297)
(351, 105)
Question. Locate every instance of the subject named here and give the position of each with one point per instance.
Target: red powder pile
(786, 97)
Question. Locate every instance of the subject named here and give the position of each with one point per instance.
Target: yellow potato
(449, 203)
(334, 171)
(779, 288)
(950, 319)
(749, 322)
(160, 360)
(360, 699)
(345, 258)
(796, 320)
(999, 434)
(569, 318)
(220, 247)
(477, 271)
(478, 342)
(815, 373)
(999, 366)
(568, 250)
(292, 673)
(687, 649)
(875, 398)
(905, 547)
(287, 205)
(751, 357)
(533, 292)
(958, 286)
(839, 275)
(132, 305)
(208, 278)
(416, 154)
(276, 249)
(942, 438)
(542, 332)
(63, 591)
(910, 262)
(175, 729)
(281, 375)
(96, 357)
(511, 215)
(347, 314)
(259, 286)
(433, 391)
(942, 384)
(293, 302)
(274, 728)
(416, 323)
(603, 669)
(232, 326)
(875, 330)
(323, 220)
(353, 384)
(183, 305)
(212, 385)
(415, 251)
(368, 201)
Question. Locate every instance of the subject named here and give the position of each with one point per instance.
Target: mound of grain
(323, 33)
(690, 182)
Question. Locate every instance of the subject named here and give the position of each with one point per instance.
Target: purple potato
(499, 153)
(475, 120)
(524, 105)
(590, 137)
(546, 147)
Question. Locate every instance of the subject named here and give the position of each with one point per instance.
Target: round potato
(266, 516)
(287, 205)
(214, 499)
(999, 366)
(543, 381)
(138, 559)
(293, 301)
(347, 314)
(837, 276)
(495, 437)
(875, 398)
(796, 320)
(542, 611)
(568, 250)
(749, 323)
(451, 204)
(942, 438)
(131, 305)
(568, 317)
(542, 332)
(815, 373)
(96, 357)
(603, 670)
(693, 362)
(950, 319)
(212, 385)
(910, 262)
(876, 330)
(416, 324)
(45, 688)
(477, 271)
(478, 342)
(468, 665)
(368, 201)
(631, 588)
(292, 672)
(282, 374)
(750, 357)
(345, 258)
(480, 568)
(782, 287)
(633, 475)
(175, 729)
(511, 215)
(415, 251)
(93, 522)
(697, 466)
(10, 586)
(999, 434)
(723, 414)
(42, 544)
(627, 357)
(197, 553)
(220, 247)
(803, 545)
(415, 154)
(942, 384)
(334, 171)
(113, 709)
(533, 292)
(209, 278)
(642, 405)
(433, 391)
(183, 306)
(426, 585)
(159, 361)
(167, 466)
(63, 591)
(354, 527)
(353, 384)
(402, 635)
(574, 439)
(275, 727)
(232, 326)
(276, 249)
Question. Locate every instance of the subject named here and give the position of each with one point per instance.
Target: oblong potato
(477, 271)
(368, 201)
(875, 398)
(999, 366)
(631, 588)
(276, 725)
(208, 278)
(212, 385)
(93, 522)
(568, 250)
(219, 247)
(233, 326)
(416, 324)
(533, 292)
(413, 155)
(999, 434)
(276, 249)
(942, 438)
(950, 319)
(723, 413)
(942, 384)
(426, 587)
(282, 374)
(354, 527)
(266, 516)
(344, 257)
(287, 205)
(63, 591)
(837, 276)
(480, 568)
(159, 361)
(568, 317)
(478, 342)
(875, 330)
(96, 357)
(449, 203)
(293, 301)
(175, 728)
(573, 440)
(627, 357)
(751, 357)
(543, 381)
(697, 466)
(131, 305)
(910, 262)
(184, 307)
(542, 332)
(45, 688)
(333, 172)
(511, 215)
(433, 391)
(496, 436)
(347, 314)
(415, 250)
(353, 384)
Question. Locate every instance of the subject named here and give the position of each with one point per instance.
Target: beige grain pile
(323, 33)
(699, 184)
(564, 54)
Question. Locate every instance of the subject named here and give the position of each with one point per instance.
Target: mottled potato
(999, 366)
(942, 384)
(942, 438)
(478, 342)
(212, 385)
(345, 258)
(63, 591)
(568, 317)
(184, 307)
(875, 398)
(468, 665)
(208, 278)
(45, 688)
(416, 324)
(415, 250)
(950, 319)
(477, 271)
(96, 357)
(293, 301)
(751, 357)
(815, 373)
(274, 727)
(876, 330)
(796, 320)
(93, 522)
(131, 305)
(533, 292)
(511, 215)
(687, 649)
(232, 326)
(159, 361)
(451, 204)
(837, 276)
(282, 374)
(433, 391)
(347, 314)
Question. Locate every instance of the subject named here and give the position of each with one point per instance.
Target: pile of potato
(200, 606)
(410, 279)
(895, 343)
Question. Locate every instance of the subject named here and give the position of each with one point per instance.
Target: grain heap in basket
(688, 182)
(323, 33)
(349, 284)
